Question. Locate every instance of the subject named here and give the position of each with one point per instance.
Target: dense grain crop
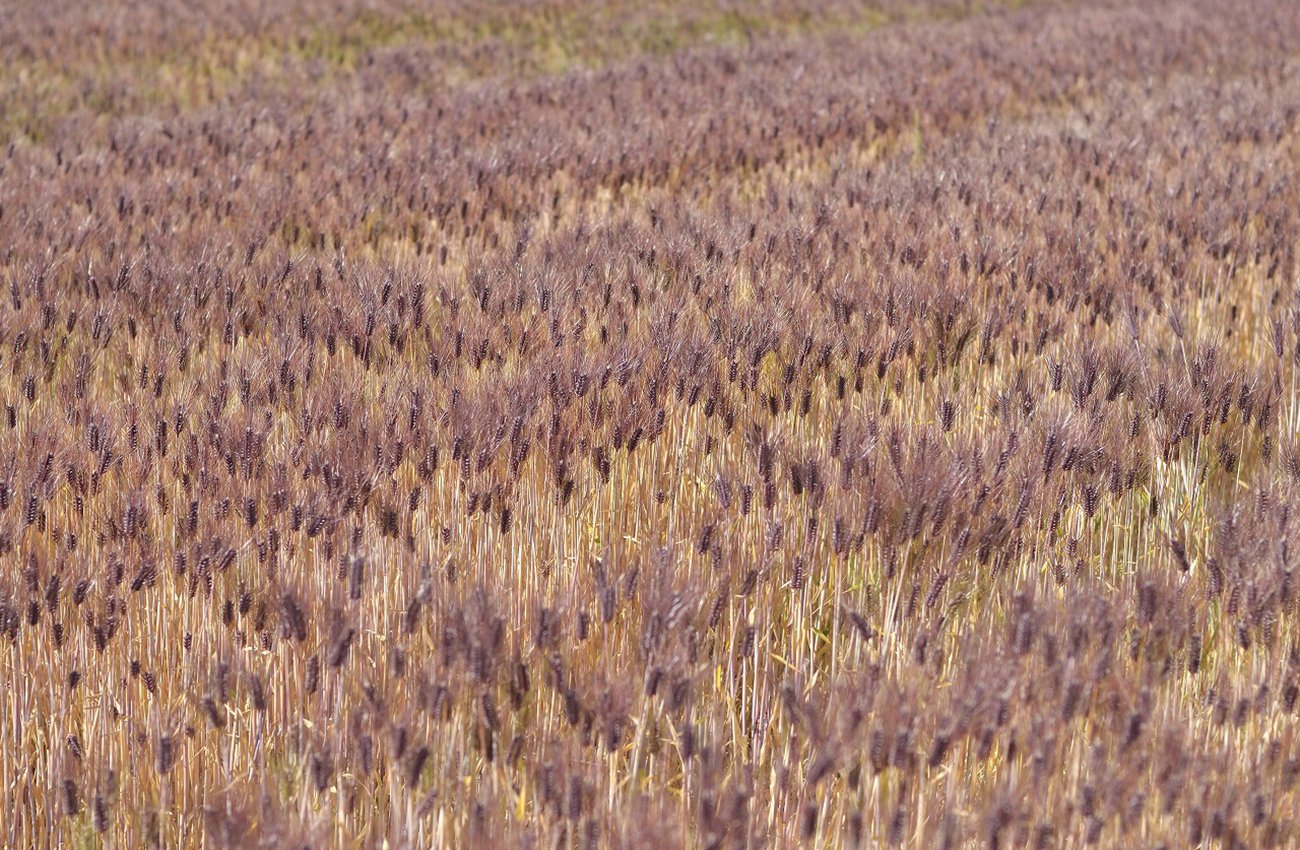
(662, 425)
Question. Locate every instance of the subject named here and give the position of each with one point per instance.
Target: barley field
(669, 425)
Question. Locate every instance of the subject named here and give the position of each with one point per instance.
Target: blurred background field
(726, 425)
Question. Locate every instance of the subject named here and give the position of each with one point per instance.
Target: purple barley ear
(311, 680)
(257, 693)
(1179, 549)
(809, 822)
(947, 415)
(416, 766)
(166, 755)
(71, 798)
(322, 770)
(342, 648)
(99, 814)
